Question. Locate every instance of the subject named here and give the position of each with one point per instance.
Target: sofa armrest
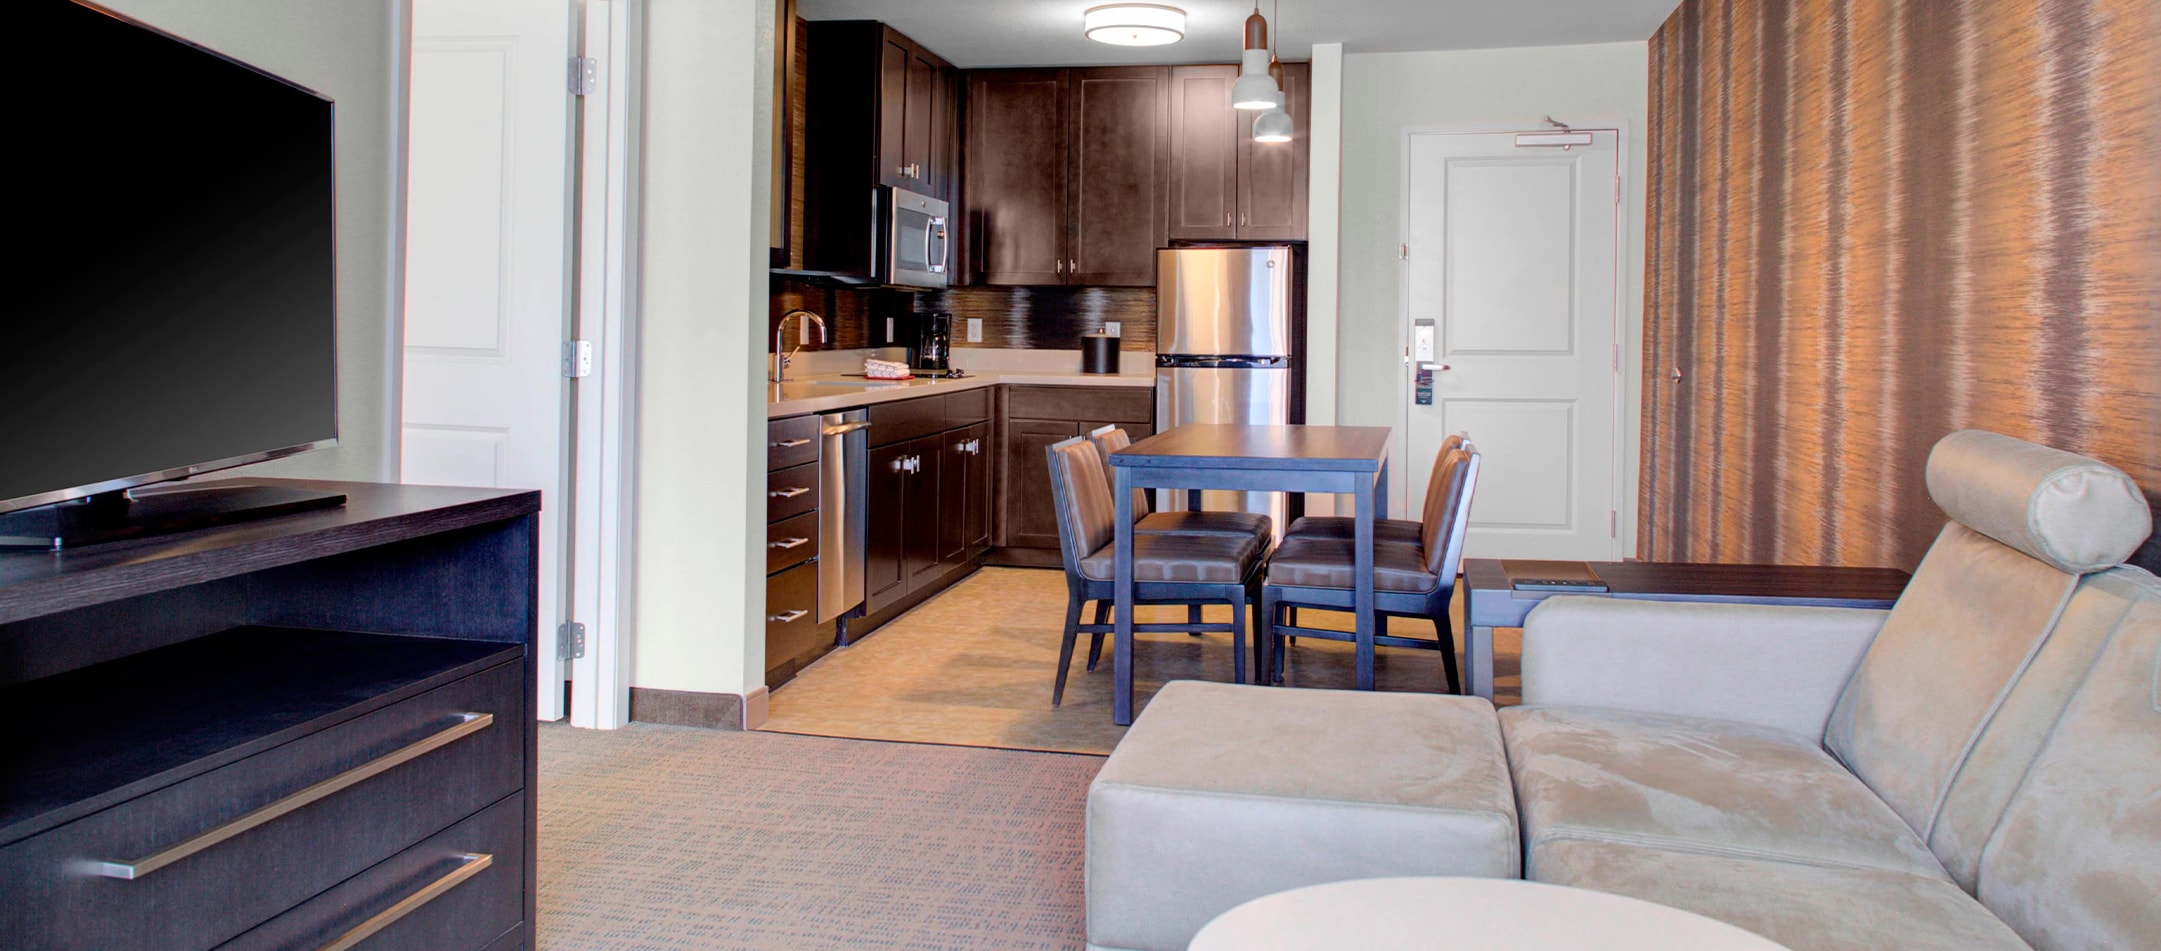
(1753, 663)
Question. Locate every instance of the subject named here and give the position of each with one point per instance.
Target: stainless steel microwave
(913, 248)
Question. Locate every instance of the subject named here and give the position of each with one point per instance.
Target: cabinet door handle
(788, 543)
(470, 724)
(789, 492)
(787, 617)
(789, 443)
(474, 864)
(1226, 219)
(1059, 265)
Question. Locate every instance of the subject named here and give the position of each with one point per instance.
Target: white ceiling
(984, 33)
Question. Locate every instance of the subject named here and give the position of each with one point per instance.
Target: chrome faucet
(781, 360)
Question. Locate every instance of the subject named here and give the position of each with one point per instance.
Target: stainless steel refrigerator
(1224, 350)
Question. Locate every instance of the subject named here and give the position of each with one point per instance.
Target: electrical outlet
(975, 330)
(1114, 328)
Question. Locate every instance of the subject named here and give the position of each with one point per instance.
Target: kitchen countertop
(827, 392)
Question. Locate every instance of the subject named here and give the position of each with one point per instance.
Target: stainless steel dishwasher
(844, 467)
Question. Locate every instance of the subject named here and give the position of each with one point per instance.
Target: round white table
(1491, 914)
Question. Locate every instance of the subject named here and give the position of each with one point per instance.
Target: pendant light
(1255, 89)
(1134, 24)
(1275, 124)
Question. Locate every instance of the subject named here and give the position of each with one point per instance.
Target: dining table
(1251, 457)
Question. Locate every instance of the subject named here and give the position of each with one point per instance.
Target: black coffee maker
(934, 342)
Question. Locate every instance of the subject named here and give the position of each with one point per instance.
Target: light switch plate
(1114, 328)
(889, 336)
(975, 330)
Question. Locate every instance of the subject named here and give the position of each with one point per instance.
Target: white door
(487, 290)
(1511, 270)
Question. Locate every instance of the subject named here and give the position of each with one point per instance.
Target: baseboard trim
(756, 708)
(712, 711)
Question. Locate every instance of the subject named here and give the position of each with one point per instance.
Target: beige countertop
(827, 392)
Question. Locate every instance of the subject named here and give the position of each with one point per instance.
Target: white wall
(700, 593)
(1385, 93)
(355, 52)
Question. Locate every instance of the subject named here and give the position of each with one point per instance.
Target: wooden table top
(1244, 446)
(1683, 578)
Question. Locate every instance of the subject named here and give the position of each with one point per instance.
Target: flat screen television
(173, 310)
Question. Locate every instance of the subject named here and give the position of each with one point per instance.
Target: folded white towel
(886, 370)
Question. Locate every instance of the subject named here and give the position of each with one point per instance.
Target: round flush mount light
(1134, 24)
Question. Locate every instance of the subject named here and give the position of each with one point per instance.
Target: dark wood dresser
(313, 731)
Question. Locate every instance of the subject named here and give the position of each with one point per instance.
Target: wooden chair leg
(1065, 648)
(1238, 636)
(1095, 641)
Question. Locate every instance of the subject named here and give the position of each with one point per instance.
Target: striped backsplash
(1046, 318)
(1875, 222)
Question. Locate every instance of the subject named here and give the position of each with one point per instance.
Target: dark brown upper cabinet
(1066, 171)
(1224, 185)
(878, 107)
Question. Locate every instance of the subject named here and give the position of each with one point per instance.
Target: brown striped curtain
(1873, 223)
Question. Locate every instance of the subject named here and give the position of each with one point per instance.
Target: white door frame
(1626, 416)
(606, 406)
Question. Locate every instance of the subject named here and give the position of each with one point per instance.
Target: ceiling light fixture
(1275, 124)
(1134, 24)
(1255, 89)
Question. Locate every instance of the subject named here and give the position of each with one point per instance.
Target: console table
(1489, 601)
(306, 731)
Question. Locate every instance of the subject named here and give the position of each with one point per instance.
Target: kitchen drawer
(456, 891)
(1111, 404)
(791, 614)
(791, 442)
(906, 419)
(469, 737)
(967, 407)
(791, 492)
(791, 542)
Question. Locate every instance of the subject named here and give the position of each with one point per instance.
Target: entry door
(486, 287)
(1511, 270)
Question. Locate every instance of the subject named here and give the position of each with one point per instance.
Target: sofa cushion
(1703, 785)
(2073, 513)
(1974, 615)
(1221, 794)
(1804, 907)
(2076, 861)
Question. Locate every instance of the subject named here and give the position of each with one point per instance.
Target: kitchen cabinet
(793, 635)
(964, 493)
(1035, 418)
(1067, 171)
(929, 494)
(1222, 184)
(881, 110)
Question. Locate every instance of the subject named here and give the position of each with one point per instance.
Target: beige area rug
(655, 837)
(973, 667)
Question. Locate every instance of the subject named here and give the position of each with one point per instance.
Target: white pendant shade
(1134, 24)
(1273, 126)
(1255, 89)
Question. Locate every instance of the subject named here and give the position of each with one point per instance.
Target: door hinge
(1613, 530)
(570, 641)
(584, 75)
(577, 359)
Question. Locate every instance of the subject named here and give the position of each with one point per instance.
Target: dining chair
(1409, 580)
(1110, 439)
(1171, 569)
(1407, 531)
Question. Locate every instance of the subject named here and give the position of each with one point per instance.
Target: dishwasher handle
(845, 428)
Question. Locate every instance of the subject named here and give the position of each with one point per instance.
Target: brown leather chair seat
(1326, 563)
(1205, 523)
(1400, 530)
(1218, 559)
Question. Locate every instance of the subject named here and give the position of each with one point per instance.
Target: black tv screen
(173, 304)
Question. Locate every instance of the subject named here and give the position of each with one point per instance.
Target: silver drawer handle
(470, 724)
(789, 493)
(789, 443)
(474, 864)
(787, 617)
(788, 543)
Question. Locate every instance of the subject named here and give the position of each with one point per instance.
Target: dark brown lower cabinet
(1037, 417)
(929, 495)
(884, 580)
(920, 514)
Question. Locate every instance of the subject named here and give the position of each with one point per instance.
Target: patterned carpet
(655, 837)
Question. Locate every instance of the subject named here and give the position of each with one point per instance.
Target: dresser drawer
(414, 768)
(791, 492)
(790, 442)
(457, 891)
(791, 614)
(791, 542)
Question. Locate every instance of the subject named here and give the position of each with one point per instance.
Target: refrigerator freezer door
(1223, 301)
(1208, 395)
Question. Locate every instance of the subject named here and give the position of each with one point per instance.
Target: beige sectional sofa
(1978, 768)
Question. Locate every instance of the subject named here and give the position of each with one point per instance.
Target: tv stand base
(114, 516)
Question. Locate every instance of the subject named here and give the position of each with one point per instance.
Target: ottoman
(1220, 794)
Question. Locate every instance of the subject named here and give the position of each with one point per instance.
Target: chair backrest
(1947, 709)
(1442, 533)
(1086, 516)
(1436, 497)
(1110, 439)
